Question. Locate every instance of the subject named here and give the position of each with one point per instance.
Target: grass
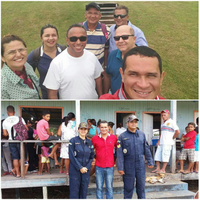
(171, 28)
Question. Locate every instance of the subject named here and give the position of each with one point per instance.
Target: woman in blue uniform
(81, 154)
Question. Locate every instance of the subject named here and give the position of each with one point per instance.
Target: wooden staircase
(107, 11)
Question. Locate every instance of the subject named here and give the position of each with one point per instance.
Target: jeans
(107, 175)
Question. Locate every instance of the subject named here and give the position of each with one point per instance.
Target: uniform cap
(82, 125)
(92, 5)
(165, 111)
(131, 118)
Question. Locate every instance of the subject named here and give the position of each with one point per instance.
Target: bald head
(124, 29)
(124, 38)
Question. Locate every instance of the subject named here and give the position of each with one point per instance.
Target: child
(45, 134)
(178, 152)
(45, 157)
(196, 153)
(188, 149)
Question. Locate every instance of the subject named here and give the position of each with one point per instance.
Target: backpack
(21, 132)
(104, 30)
(36, 55)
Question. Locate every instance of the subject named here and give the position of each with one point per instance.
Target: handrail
(22, 152)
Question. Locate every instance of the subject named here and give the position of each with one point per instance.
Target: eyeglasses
(74, 38)
(124, 37)
(14, 52)
(121, 16)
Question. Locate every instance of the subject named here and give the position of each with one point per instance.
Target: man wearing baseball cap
(169, 131)
(98, 35)
(131, 147)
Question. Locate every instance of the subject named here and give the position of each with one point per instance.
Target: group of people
(97, 59)
(83, 151)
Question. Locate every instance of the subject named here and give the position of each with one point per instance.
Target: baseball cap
(92, 5)
(82, 125)
(131, 118)
(165, 111)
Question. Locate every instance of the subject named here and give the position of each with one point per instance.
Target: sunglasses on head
(74, 38)
(121, 16)
(124, 37)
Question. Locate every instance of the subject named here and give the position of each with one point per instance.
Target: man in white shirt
(169, 131)
(75, 73)
(14, 147)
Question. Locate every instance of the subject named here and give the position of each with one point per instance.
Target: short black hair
(10, 109)
(143, 51)
(103, 122)
(111, 124)
(45, 112)
(191, 123)
(122, 7)
(76, 25)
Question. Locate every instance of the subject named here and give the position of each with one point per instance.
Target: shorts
(189, 153)
(45, 160)
(52, 137)
(15, 150)
(163, 153)
(196, 156)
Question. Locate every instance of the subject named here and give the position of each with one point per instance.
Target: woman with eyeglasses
(41, 57)
(18, 80)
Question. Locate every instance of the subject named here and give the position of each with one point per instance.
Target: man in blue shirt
(121, 18)
(125, 40)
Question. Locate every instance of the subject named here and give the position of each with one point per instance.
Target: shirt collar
(119, 54)
(41, 50)
(100, 134)
(86, 26)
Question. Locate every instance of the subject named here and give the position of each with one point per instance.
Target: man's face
(165, 116)
(76, 48)
(132, 126)
(121, 21)
(93, 16)
(190, 127)
(125, 45)
(103, 128)
(141, 77)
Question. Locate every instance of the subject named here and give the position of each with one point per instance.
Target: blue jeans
(107, 175)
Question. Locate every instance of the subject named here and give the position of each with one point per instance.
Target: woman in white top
(66, 131)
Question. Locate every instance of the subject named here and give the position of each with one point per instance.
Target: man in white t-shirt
(169, 131)
(14, 147)
(75, 73)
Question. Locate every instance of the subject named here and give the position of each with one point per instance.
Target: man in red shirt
(188, 149)
(104, 143)
(142, 75)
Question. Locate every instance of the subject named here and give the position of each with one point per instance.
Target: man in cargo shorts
(169, 131)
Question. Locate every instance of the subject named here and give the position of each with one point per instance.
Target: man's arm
(52, 94)
(106, 82)
(48, 132)
(5, 132)
(176, 134)
(99, 85)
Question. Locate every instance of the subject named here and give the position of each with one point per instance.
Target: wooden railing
(22, 150)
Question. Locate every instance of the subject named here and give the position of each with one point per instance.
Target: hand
(158, 143)
(83, 170)
(121, 172)
(52, 133)
(150, 166)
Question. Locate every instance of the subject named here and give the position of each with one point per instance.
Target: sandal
(13, 174)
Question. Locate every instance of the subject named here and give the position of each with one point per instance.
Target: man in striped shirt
(98, 35)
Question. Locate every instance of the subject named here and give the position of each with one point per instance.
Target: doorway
(35, 114)
(121, 117)
(151, 125)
